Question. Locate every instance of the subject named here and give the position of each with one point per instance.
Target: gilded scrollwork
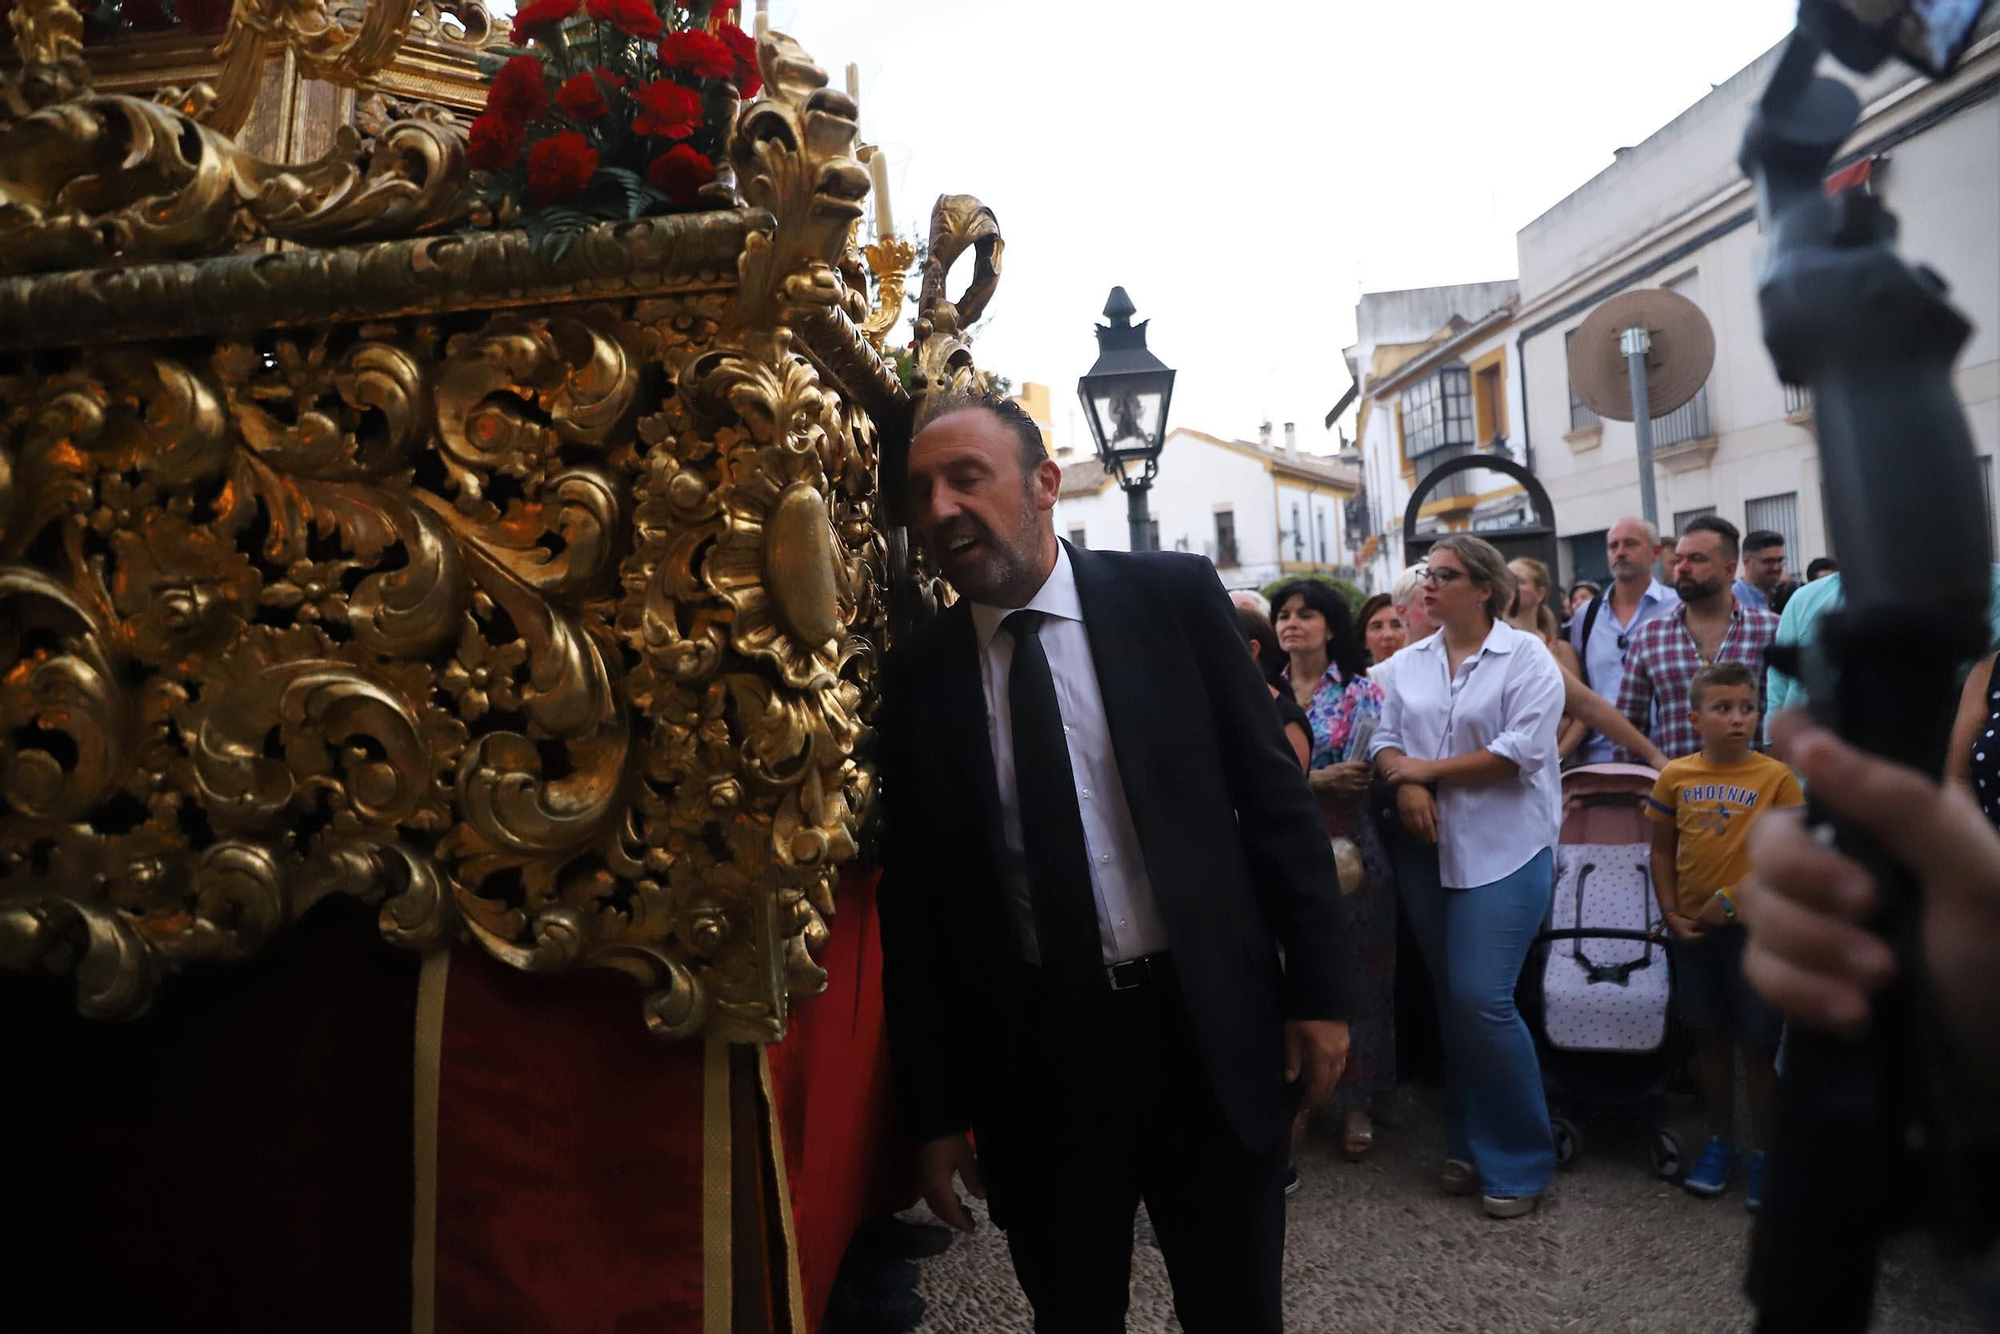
(536, 602)
(89, 178)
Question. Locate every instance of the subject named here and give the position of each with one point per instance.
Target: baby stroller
(1598, 985)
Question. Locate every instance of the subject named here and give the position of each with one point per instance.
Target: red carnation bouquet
(609, 109)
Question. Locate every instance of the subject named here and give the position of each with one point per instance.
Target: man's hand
(1344, 781)
(1400, 768)
(938, 1160)
(1419, 811)
(1315, 1054)
(1809, 952)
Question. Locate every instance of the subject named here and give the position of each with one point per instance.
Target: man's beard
(1697, 590)
(1623, 570)
(996, 567)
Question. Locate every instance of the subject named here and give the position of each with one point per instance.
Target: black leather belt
(1146, 970)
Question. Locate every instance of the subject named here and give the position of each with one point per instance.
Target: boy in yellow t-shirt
(1703, 807)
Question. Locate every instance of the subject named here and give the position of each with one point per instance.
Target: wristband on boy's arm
(1728, 904)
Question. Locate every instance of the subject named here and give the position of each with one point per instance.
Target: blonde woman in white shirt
(1468, 737)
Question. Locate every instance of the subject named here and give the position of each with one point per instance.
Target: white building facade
(1675, 212)
(1258, 511)
(1436, 381)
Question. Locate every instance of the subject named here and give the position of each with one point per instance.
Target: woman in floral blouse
(1327, 678)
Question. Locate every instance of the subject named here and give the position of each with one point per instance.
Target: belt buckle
(1129, 973)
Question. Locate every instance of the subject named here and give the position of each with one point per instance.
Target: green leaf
(633, 191)
(552, 231)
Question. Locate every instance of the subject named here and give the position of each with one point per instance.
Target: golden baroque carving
(342, 44)
(889, 261)
(958, 223)
(481, 626)
(89, 179)
(537, 604)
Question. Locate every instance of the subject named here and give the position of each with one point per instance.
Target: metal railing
(1798, 400)
(1582, 417)
(1687, 422)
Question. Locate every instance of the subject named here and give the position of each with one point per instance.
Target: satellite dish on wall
(1677, 366)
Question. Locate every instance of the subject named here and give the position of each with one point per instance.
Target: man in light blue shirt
(1635, 597)
(1800, 625)
(1763, 568)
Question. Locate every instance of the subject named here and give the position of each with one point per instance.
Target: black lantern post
(1125, 399)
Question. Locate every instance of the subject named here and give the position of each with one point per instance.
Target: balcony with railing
(1684, 439)
(1798, 403)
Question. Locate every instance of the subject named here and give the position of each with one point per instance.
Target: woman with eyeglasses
(1468, 737)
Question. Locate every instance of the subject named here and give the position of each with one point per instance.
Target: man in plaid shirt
(1709, 626)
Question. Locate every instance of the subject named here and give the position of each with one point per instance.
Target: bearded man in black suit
(1097, 841)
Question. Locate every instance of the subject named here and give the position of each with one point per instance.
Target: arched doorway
(1536, 539)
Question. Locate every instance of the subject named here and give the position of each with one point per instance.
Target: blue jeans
(1475, 941)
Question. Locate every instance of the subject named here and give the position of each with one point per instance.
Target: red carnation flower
(541, 19)
(634, 18)
(518, 92)
(204, 15)
(560, 167)
(582, 97)
(680, 172)
(744, 47)
(699, 54)
(668, 110)
(494, 143)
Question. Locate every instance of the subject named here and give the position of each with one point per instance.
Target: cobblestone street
(1376, 1247)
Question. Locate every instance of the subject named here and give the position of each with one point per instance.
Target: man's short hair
(1028, 436)
(1249, 599)
(1719, 674)
(1647, 526)
(1722, 528)
(1407, 584)
(1761, 539)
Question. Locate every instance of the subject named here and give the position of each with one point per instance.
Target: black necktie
(1051, 821)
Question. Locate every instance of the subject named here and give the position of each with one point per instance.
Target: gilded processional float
(390, 525)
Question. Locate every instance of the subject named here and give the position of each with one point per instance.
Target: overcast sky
(1245, 171)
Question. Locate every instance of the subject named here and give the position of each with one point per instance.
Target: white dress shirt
(1507, 698)
(1384, 672)
(1128, 916)
(1603, 658)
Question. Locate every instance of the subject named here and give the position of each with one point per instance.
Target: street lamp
(1125, 398)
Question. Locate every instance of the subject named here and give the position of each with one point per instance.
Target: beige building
(1444, 371)
(1435, 382)
(1259, 510)
(1676, 212)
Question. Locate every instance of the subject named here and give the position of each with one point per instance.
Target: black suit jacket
(1234, 847)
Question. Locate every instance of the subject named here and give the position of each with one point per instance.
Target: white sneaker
(1509, 1206)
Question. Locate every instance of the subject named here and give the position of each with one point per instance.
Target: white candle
(763, 19)
(878, 172)
(854, 85)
